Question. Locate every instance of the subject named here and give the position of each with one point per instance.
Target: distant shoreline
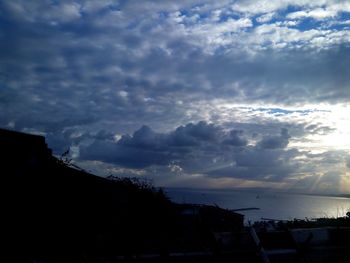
(259, 190)
(332, 195)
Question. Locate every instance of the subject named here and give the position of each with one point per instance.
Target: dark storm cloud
(146, 147)
(274, 142)
(194, 134)
(200, 147)
(236, 139)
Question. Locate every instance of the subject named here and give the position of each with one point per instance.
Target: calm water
(272, 205)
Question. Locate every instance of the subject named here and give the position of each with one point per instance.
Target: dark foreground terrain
(52, 212)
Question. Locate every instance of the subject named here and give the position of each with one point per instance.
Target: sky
(192, 93)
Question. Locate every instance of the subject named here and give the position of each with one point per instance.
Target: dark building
(21, 151)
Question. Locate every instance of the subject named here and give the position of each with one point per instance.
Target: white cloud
(45, 11)
(319, 14)
(339, 6)
(69, 12)
(278, 36)
(266, 6)
(211, 34)
(266, 17)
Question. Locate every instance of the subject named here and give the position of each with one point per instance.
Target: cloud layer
(270, 80)
(215, 152)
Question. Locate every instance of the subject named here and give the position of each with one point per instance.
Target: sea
(257, 205)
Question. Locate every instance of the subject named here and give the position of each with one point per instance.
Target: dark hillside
(50, 209)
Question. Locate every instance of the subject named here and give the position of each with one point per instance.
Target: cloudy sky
(192, 93)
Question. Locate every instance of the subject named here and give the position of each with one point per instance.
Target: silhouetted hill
(52, 209)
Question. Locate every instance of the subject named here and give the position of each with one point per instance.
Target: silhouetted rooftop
(22, 149)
